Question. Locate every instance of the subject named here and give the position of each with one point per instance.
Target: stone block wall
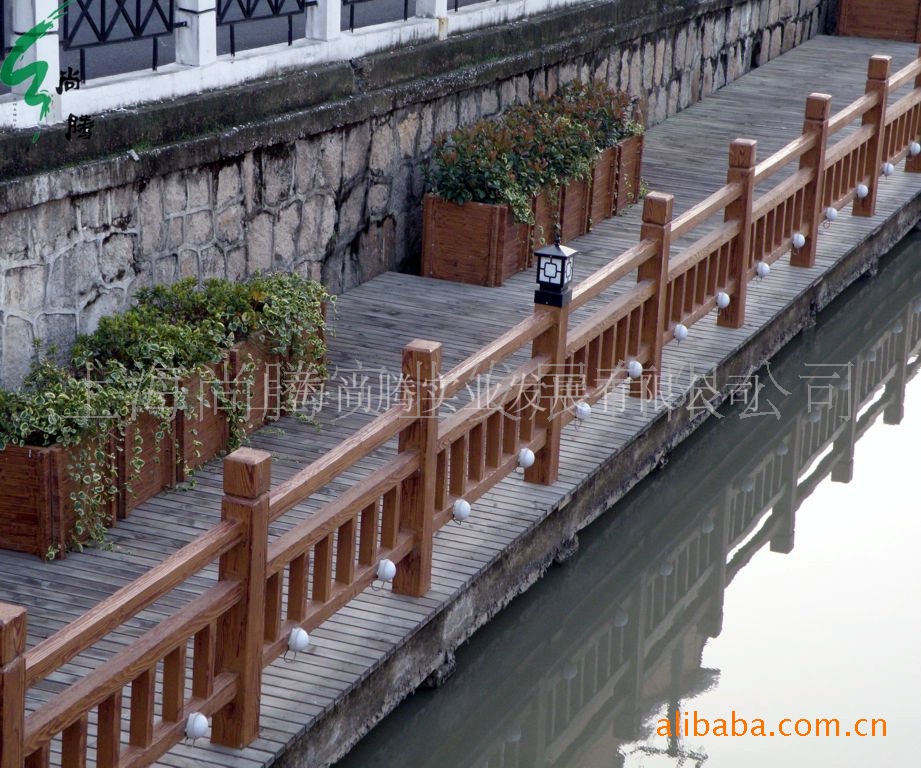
(334, 191)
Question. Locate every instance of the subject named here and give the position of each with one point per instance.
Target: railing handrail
(134, 597)
(332, 463)
(114, 674)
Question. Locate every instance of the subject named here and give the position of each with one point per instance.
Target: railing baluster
(12, 683)
(73, 744)
(174, 684)
(140, 732)
(367, 538)
(458, 475)
(441, 480)
(593, 365)
(494, 440)
(203, 663)
(510, 427)
(476, 464)
(390, 518)
(742, 153)
(818, 110)
(109, 728)
(297, 587)
(40, 758)
(273, 607)
(247, 482)
(345, 552)
(322, 569)
(877, 82)
(422, 374)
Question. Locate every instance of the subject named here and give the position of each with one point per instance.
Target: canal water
(768, 574)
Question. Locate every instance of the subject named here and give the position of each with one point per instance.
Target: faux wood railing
(208, 656)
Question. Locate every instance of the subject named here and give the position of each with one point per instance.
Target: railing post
(324, 20)
(877, 82)
(657, 225)
(913, 164)
(12, 684)
(552, 344)
(818, 110)
(46, 49)
(196, 43)
(742, 154)
(422, 382)
(247, 481)
(432, 9)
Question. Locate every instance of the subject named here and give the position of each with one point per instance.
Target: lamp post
(554, 273)
(553, 295)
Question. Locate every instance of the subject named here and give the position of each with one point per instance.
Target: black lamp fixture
(554, 273)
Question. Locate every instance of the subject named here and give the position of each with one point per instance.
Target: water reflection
(570, 674)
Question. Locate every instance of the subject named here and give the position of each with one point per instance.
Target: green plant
(540, 146)
(605, 112)
(139, 362)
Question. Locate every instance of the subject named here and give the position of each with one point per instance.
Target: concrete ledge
(527, 559)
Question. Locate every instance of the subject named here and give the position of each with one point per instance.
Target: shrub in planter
(539, 165)
(504, 166)
(58, 482)
(161, 351)
(273, 326)
(617, 135)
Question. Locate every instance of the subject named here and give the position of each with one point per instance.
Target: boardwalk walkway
(685, 156)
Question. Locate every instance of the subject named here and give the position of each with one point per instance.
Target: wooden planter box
(574, 205)
(203, 433)
(472, 243)
(36, 511)
(604, 183)
(630, 162)
(159, 457)
(263, 395)
(546, 208)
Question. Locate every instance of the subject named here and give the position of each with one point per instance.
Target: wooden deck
(685, 156)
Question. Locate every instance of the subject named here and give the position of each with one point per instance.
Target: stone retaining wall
(330, 186)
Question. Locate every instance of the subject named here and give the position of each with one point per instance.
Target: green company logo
(36, 71)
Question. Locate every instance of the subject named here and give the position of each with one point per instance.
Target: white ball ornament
(634, 369)
(386, 570)
(196, 726)
(681, 332)
(831, 213)
(762, 269)
(298, 640)
(862, 191)
(722, 300)
(583, 410)
(888, 169)
(525, 458)
(799, 240)
(461, 510)
(914, 149)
